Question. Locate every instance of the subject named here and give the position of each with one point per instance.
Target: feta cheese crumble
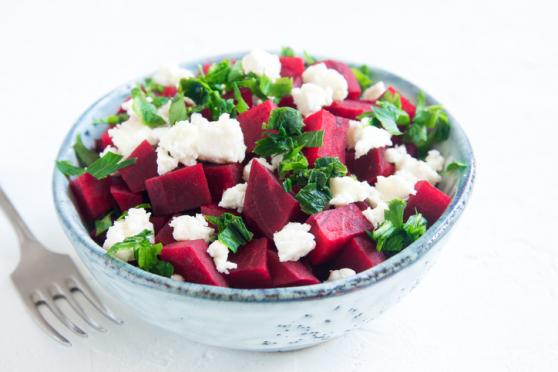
(376, 215)
(396, 186)
(128, 135)
(435, 160)
(233, 197)
(347, 190)
(294, 241)
(374, 92)
(417, 169)
(134, 223)
(310, 98)
(363, 137)
(248, 167)
(340, 274)
(327, 78)
(191, 228)
(262, 63)
(165, 162)
(220, 254)
(171, 75)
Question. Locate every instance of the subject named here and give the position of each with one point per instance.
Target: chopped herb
(108, 164)
(241, 105)
(236, 73)
(393, 234)
(287, 52)
(145, 110)
(196, 90)
(388, 116)
(104, 223)
(232, 231)
(455, 166)
(363, 76)
(308, 59)
(84, 155)
(151, 86)
(177, 109)
(112, 119)
(68, 169)
(158, 101)
(392, 97)
(218, 73)
(145, 253)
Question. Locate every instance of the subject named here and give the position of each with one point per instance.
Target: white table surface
(490, 303)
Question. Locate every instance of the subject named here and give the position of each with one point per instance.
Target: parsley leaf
(363, 76)
(145, 110)
(104, 223)
(84, 155)
(177, 109)
(232, 231)
(455, 166)
(68, 169)
(145, 253)
(112, 119)
(108, 164)
(287, 52)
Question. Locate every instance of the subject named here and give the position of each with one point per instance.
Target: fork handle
(21, 228)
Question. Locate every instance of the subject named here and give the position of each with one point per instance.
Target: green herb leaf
(312, 198)
(308, 59)
(287, 52)
(363, 76)
(195, 89)
(112, 119)
(313, 138)
(390, 116)
(286, 120)
(151, 86)
(395, 212)
(103, 224)
(455, 166)
(393, 98)
(84, 155)
(218, 73)
(177, 109)
(68, 169)
(241, 105)
(415, 227)
(108, 164)
(145, 110)
(232, 231)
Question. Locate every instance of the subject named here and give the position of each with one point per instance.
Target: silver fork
(42, 277)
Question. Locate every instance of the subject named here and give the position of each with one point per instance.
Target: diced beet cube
(183, 189)
(104, 141)
(333, 228)
(252, 270)
(169, 91)
(92, 196)
(362, 205)
(289, 273)
(335, 133)
(125, 199)
(352, 82)
(429, 201)
(206, 67)
(406, 105)
(221, 177)
(246, 95)
(159, 222)
(349, 109)
(358, 254)
(267, 207)
(191, 260)
(164, 236)
(287, 101)
(214, 210)
(371, 165)
(145, 167)
(251, 122)
(292, 66)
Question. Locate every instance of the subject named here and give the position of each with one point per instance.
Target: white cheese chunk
(374, 92)
(310, 98)
(363, 137)
(171, 75)
(340, 274)
(417, 169)
(134, 223)
(347, 190)
(165, 162)
(220, 254)
(248, 167)
(233, 197)
(375, 215)
(396, 186)
(177, 277)
(294, 241)
(128, 135)
(262, 63)
(191, 228)
(435, 160)
(328, 79)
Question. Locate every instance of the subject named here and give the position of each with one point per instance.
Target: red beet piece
(169, 91)
(221, 177)
(292, 66)
(352, 82)
(335, 133)
(215, 210)
(251, 122)
(333, 228)
(183, 189)
(158, 222)
(287, 101)
(428, 200)
(164, 236)
(406, 105)
(369, 166)
(267, 207)
(145, 167)
(252, 270)
(246, 95)
(104, 141)
(191, 260)
(125, 199)
(290, 273)
(358, 254)
(92, 196)
(349, 109)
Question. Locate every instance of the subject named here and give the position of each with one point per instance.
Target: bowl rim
(410, 255)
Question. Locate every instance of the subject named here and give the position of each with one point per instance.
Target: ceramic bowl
(276, 319)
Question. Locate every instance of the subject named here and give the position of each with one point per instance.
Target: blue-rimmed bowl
(262, 319)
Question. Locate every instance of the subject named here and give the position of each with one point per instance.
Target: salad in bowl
(261, 172)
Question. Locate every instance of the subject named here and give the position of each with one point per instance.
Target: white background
(491, 302)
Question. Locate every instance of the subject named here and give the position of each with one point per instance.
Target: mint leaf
(311, 139)
(241, 105)
(393, 98)
(455, 166)
(177, 109)
(145, 110)
(108, 164)
(232, 231)
(286, 120)
(103, 224)
(112, 119)
(363, 76)
(84, 155)
(390, 116)
(287, 52)
(68, 169)
(195, 89)
(312, 198)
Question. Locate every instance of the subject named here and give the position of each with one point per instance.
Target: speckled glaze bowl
(276, 319)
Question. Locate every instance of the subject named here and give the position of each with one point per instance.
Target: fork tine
(33, 307)
(81, 286)
(51, 303)
(69, 297)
